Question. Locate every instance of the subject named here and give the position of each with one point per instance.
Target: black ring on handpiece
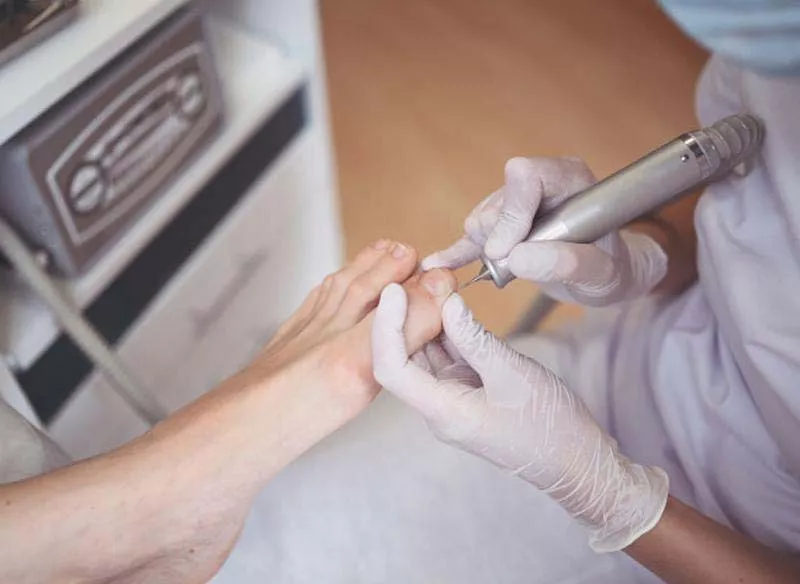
(693, 145)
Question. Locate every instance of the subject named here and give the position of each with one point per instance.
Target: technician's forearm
(687, 547)
(673, 229)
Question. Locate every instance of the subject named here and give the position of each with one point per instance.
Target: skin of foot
(169, 506)
(330, 333)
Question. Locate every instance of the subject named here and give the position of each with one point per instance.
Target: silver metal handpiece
(659, 178)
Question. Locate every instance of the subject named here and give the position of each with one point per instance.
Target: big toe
(427, 294)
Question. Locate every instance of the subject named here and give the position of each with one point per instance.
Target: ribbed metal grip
(729, 142)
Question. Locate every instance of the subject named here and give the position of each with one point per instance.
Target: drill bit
(484, 274)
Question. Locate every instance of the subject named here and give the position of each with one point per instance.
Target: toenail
(381, 244)
(399, 251)
(436, 284)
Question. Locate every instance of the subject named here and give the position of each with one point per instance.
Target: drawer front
(229, 299)
(214, 316)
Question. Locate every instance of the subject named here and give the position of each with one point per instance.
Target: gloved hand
(620, 266)
(482, 396)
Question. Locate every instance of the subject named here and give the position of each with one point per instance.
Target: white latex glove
(482, 396)
(620, 266)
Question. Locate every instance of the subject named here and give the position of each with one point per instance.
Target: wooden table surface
(430, 98)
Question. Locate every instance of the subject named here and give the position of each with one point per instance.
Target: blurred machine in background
(75, 179)
(165, 168)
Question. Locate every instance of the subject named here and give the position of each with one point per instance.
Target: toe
(361, 296)
(427, 294)
(364, 261)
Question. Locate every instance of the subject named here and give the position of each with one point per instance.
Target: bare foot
(198, 472)
(329, 335)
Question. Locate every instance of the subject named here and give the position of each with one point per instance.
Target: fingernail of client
(437, 283)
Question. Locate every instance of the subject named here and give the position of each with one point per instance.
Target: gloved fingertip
(432, 262)
(394, 292)
(457, 320)
(461, 253)
(388, 340)
(439, 261)
(472, 225)
(454, 309)
(393, 304)
(519, 172)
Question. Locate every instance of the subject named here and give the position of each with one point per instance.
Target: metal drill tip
(484, 274)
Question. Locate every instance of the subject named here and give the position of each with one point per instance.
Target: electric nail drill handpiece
(662, 176)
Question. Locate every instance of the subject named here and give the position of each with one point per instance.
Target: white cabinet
(250, 272)
(217, 312)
